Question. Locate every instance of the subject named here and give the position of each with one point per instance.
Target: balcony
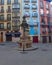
(35, 20)
(34, 6)
(2, 11)
(43, 30)
(42, 6)
(34, 14)
(1, 3)
(8, 26)
(8, 3)
(27, 6)
(41, 14)
(15, 17)
(33, 1)
(48, 15)
(26, 0)
(27, 14)
(16, 10)
(49, 31)
(16, 6)
(1, 19)
(47, 6)
(8, 18)
(9, 11)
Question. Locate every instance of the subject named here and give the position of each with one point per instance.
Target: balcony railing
(15, 18)
(26, 6)
(8, 11)
(26, 0)
(16, 6)
(1, 3)
(8, 18)
(1, 19)
(47, 15)
(8, 3)
(2, 11)
(33, 0)
(34, 7)
(16, 10)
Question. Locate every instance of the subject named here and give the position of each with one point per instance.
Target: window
(9, 17)
(2, 9)
(2, 1)
(1, 17)
(43, 22)
(41, 11)
(1, 26)
(41, 4)
(43, 30)
(36, 31)
(16, 5)
(48, 20)
(8, 1)
(15, 1)
(9, 9)
(8, 26)
(47, 12)
(47, 5)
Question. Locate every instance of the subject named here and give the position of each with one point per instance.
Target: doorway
(35, 39)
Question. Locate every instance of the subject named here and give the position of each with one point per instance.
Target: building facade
(38, 16)
(30, 10)
(9, 16)
(45, 21)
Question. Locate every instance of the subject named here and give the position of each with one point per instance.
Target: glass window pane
(8, 1)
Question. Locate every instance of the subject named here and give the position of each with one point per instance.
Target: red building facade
(45, 21)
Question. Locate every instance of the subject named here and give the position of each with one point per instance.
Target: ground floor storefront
(41, 38)
(46, 38)
(34, 38)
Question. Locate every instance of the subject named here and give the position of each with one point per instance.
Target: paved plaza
(10, 55)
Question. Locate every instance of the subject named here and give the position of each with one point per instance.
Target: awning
(8, 34)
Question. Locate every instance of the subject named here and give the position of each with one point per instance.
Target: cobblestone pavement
(9, 54)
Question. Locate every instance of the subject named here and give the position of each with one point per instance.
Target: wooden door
(35, 39)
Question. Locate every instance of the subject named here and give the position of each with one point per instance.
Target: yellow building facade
(8, 16)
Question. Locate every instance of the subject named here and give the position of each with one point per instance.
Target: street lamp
(24, 25)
